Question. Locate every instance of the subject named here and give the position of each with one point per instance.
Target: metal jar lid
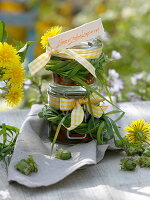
(89, 44)
(68, 91)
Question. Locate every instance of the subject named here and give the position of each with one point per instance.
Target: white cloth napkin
(33, 140)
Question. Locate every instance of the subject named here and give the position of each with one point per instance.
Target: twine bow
(80, 55)
(77, 114)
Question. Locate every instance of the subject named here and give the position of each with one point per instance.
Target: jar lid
(68, 91)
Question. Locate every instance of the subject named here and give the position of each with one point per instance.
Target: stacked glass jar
(65, 88)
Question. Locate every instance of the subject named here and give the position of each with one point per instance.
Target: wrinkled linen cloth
(33, 140)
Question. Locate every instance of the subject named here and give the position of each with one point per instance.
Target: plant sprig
(8, 135)
(76, 72)
(103, 130)
(72, 69)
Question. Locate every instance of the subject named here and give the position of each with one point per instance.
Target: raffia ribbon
(77, 114)
(80, 55)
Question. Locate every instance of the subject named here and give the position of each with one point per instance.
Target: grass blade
(56, 134)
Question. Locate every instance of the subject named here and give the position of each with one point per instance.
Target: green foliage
(50, 114)
(8, 136)
(22, 49)
(3, 33)
(102, 129)
(76, 72)
(57, 132)
(73, 69)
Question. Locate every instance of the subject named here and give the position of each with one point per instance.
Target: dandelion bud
(146, 153)
(63, 154)
(128, 164)
(27, 166)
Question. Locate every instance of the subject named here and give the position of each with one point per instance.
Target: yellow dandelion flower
(8, 55)
(15, 75)
(138, 131)
(55, 30)
(14, 96)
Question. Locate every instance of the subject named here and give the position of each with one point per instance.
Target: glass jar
(88, 78)
(65, 136)
(69, 92)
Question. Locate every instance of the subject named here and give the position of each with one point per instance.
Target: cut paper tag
(75, 36)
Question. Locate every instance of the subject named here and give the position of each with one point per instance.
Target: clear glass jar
(65, 136)
(89, 78)
(63, 87)
(69, 92)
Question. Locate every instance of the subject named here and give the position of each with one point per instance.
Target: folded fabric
(33, 140)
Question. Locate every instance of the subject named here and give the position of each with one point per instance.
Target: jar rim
(68, 91)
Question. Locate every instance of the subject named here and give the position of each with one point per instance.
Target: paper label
(80, 34)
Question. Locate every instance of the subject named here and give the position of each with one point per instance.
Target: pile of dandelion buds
(138, 134)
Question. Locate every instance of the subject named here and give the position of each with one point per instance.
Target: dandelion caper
(144, 161)
(146, 153)
(131, 151)
(119, 143)
(63, 154)
(128, 164)
(27, 166)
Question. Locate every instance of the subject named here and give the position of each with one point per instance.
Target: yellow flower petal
(50, 33)
(14, 96)
(8, 55)
(14, 75)
(138, 131)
